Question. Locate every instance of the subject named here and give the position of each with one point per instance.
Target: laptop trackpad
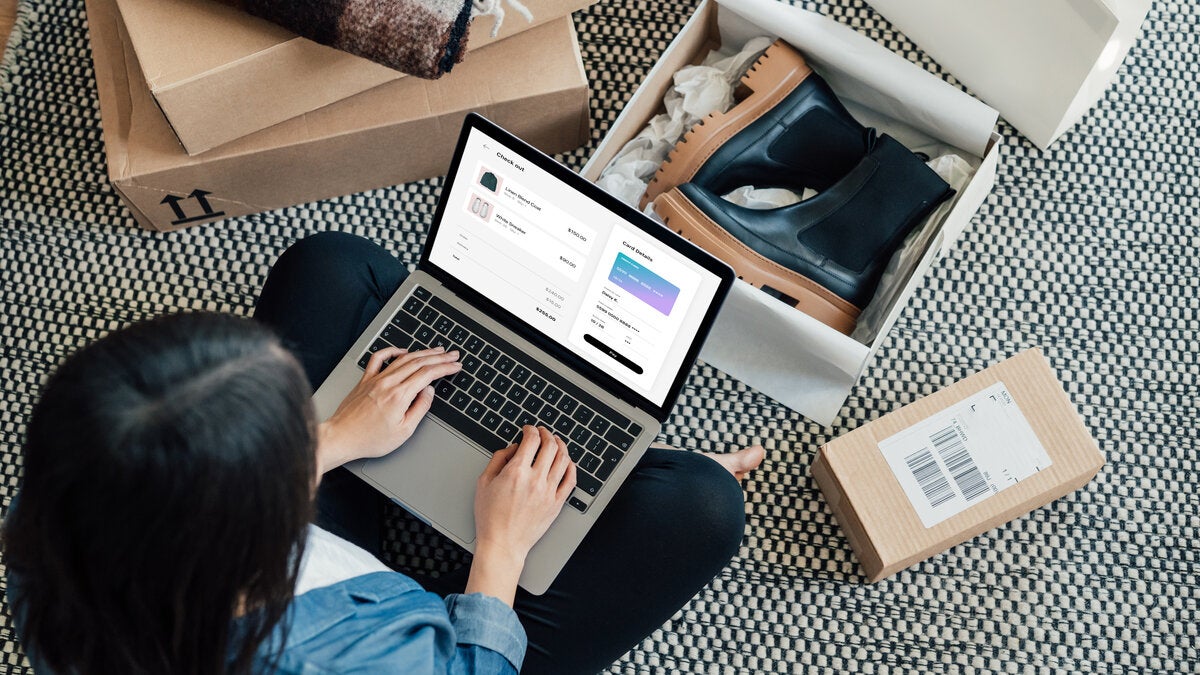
(434, 472)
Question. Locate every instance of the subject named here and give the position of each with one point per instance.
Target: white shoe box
(763, 342)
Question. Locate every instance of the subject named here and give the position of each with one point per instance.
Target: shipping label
(964, 454)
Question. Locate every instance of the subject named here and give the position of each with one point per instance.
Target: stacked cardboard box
(274, 120)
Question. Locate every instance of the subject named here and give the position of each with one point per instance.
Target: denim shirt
(385, 622)
(382, 623)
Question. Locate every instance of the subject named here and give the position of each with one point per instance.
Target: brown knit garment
(419, 37)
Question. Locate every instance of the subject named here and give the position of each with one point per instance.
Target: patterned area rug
(1088, 250)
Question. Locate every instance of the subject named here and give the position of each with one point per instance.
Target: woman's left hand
(383, 409)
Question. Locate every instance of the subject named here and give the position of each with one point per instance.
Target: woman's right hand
(383, 409)
(517, 498)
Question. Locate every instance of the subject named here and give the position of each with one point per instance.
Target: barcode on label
(930, 477)
(959, 461)
(960, 456)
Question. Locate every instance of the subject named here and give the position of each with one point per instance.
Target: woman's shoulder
(378, 601)
(351, 612)
(369, 620)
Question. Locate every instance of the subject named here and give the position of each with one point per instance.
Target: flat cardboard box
(880, 518)
(219, 73)
(1043, 65)
(401, 131)
(761, 341)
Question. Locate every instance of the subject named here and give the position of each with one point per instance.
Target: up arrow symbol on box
(173, 200)
(201, 197)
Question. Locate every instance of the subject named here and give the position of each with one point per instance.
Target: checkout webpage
(571, 268)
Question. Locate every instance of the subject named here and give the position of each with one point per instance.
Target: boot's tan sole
(682, 216)
(771, 79)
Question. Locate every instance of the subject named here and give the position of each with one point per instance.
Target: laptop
(571, 310)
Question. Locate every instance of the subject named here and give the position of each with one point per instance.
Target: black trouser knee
(323, 292)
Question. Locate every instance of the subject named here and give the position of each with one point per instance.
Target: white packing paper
(697, 91)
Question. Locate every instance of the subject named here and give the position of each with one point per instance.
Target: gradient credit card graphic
(631, 276)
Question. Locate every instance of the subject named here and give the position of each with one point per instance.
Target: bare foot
(739, 463)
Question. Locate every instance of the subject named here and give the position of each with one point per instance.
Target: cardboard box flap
(468, 87)
(174, 39)
(178, 40)
(203, 59)
(1042, 64)
(862, 70)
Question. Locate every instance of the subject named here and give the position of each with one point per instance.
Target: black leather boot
(791, 132)
(825, 255)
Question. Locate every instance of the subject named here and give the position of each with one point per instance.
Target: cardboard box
(1007, 437)
(398, 132)
(1042, 64)
(763, 342)
(219, 74)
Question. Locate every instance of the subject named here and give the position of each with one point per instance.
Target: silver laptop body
(505, 253)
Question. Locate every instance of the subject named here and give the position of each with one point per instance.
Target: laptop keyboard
(500, 389)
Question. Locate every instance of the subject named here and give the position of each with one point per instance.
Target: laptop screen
(596, 282)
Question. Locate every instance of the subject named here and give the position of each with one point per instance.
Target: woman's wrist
(495, 571)
(330, 451)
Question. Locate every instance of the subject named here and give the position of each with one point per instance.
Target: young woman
(163, 521)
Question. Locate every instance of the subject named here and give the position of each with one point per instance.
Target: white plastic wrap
(696, 92)
(957, 172)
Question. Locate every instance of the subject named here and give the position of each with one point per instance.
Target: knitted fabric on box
(419, 37)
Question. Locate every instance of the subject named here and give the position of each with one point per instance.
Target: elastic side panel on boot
(869, 225)
(819, 139)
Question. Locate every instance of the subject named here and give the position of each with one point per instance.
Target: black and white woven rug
(1088, 250)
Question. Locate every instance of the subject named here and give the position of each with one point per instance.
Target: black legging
(668, 531)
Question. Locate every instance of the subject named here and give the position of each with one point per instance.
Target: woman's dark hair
(168, 473)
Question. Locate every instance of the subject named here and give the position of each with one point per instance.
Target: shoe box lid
(1043, 65)
(218, 73)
